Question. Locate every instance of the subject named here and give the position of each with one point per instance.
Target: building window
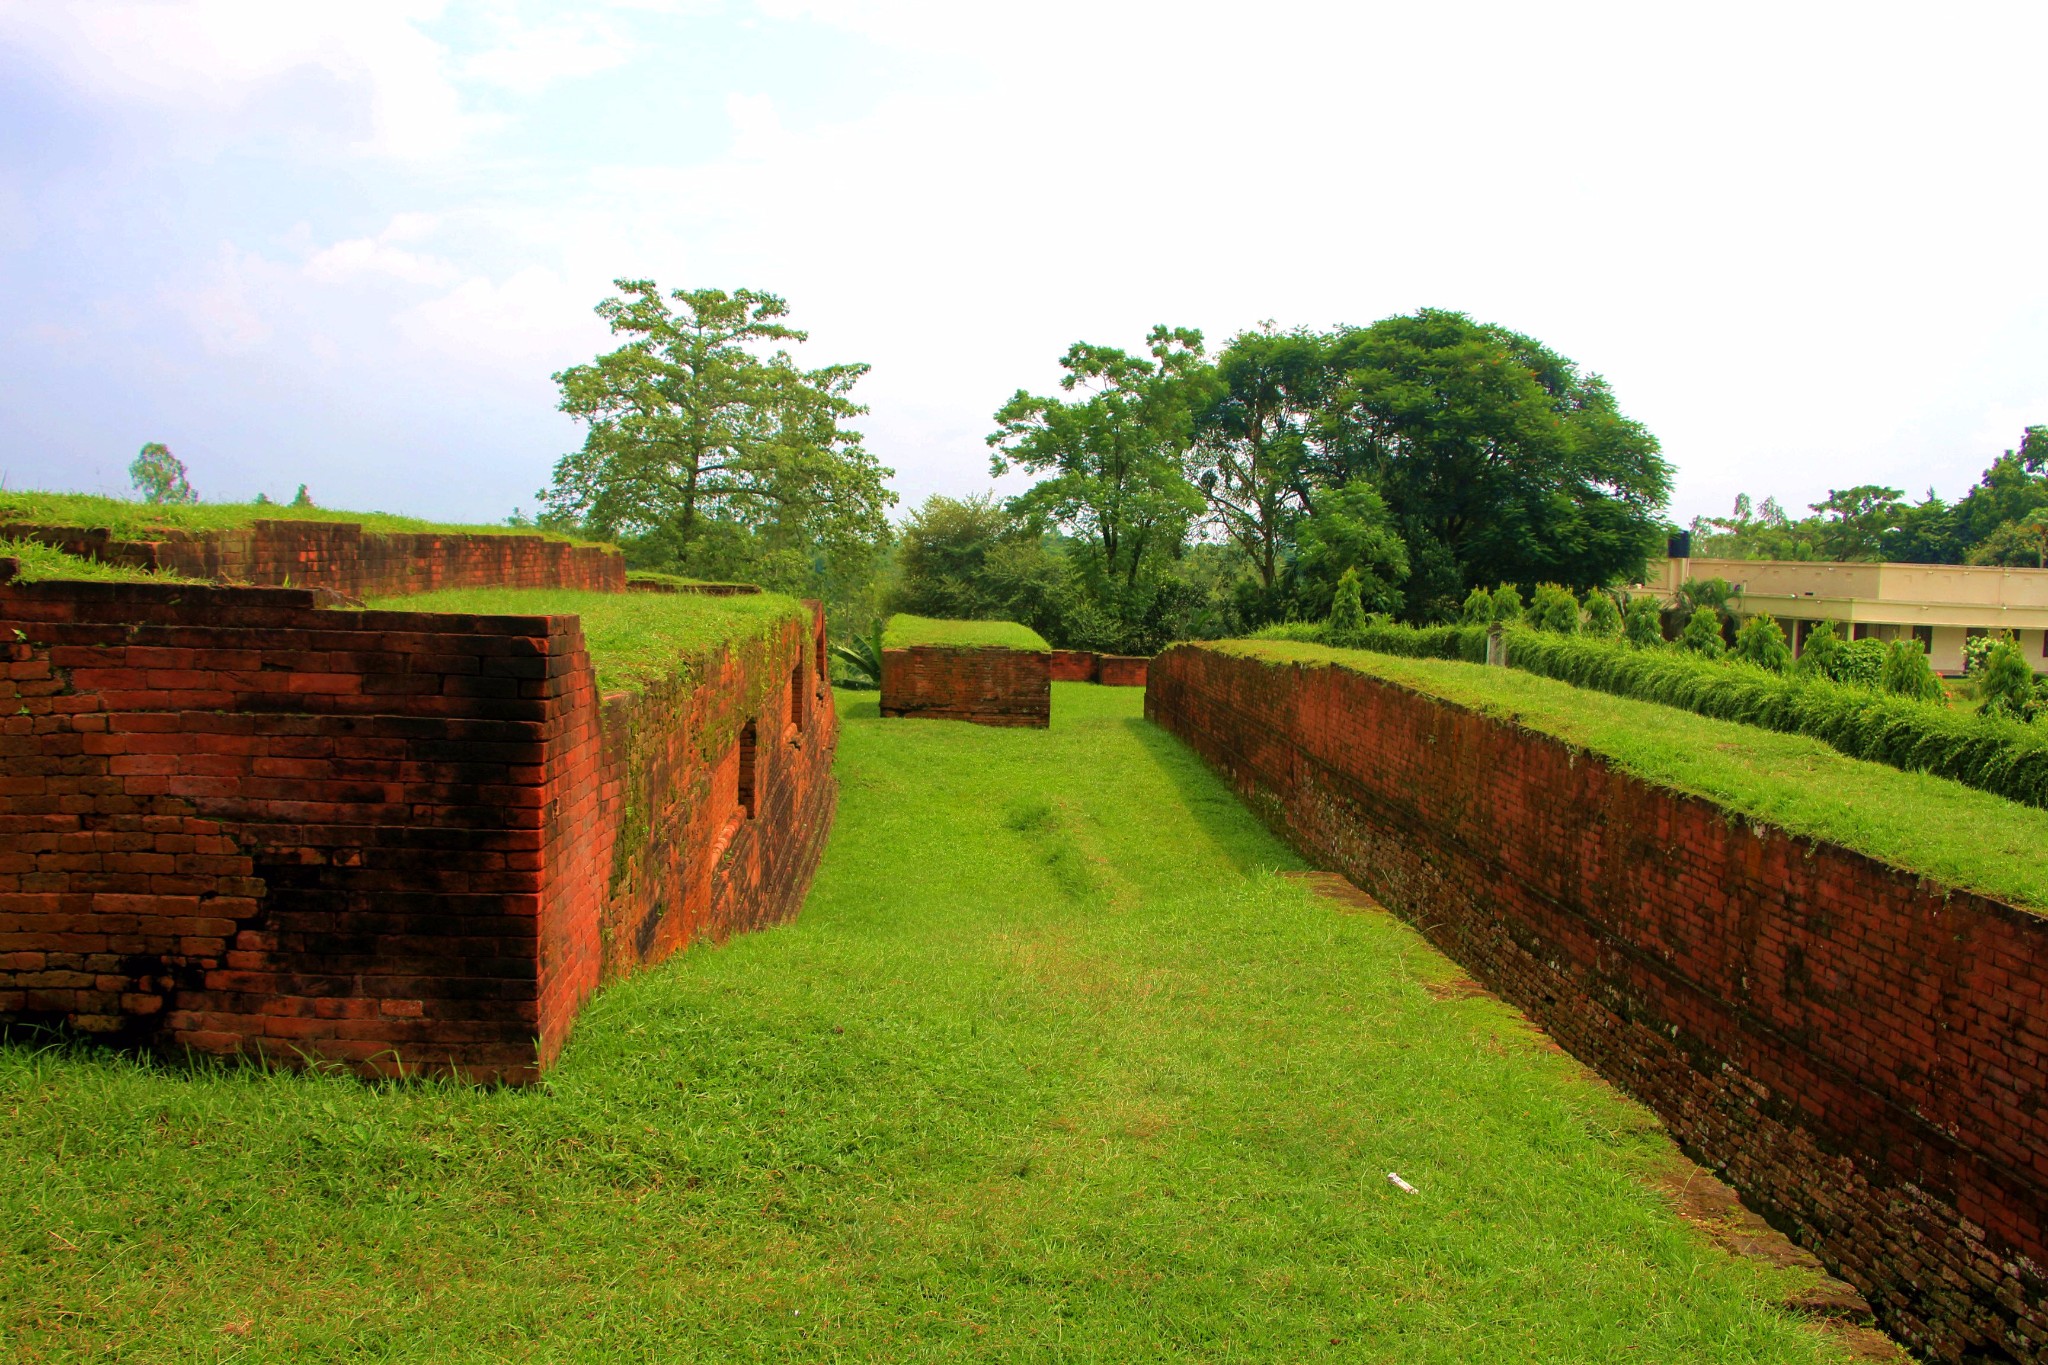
(1925, 635)
(1860, 631)
(747, 788)
(796, 694)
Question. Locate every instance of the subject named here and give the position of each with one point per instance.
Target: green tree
(1824, 655)
(160, 476)
(1908, 673)
(708, 450)
(2020, 544)
(1603, 618)
(1702, 633)
(1855, 522)
(1554, 608)
(1251, 443)
(2007, 683)
(1112, 458)
(1643, 622)
(1761, 640)
(302, 498)
(1507, 604)
(1347, 611)
(2014, 487)
(1350, 533)
(1478, 608)
(1488, 444)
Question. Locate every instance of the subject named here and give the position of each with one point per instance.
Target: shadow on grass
(857, 705)
(1229, 823)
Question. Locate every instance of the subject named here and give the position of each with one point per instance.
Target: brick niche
(985, 685)
(1858, 1051)
(236, 822)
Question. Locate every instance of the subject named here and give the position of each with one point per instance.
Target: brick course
(985, 685)
(343, 557)
(1858, 1051)
(235, 822)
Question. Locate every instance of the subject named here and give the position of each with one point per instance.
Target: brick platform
(1861, 1053)
(988, 686)
(342, 556)
(235, 822)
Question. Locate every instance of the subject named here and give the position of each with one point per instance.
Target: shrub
(1555, 609)
(2007, 685)
(1976, 650)
(1603, 618)
(1908, 674)
(1862, 663)
(1507, 603)
(1702, 633)
(1643, 622)
(1761, 641)
(1822, 657)
(1478, 609)
(1347, 610)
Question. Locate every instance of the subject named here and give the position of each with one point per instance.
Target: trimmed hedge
(2003, 757)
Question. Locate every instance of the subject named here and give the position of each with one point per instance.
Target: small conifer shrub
(1702, 633)
(1761, 640)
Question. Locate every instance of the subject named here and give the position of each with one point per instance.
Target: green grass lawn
(125, 517)
(39, 562)
(1052, 1067)
(1927, 825)
(634, 638)
(903, 631)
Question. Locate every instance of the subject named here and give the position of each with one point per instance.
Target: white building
(1942, 604)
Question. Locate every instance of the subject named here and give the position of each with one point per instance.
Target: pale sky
(346, 244)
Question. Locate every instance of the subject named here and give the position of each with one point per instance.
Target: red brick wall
(1861, 1053)
(1073, 665)
(989, 686)
(346, 558)
(1120, 670)
(234, 822)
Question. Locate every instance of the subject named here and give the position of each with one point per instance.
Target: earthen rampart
(1859, 1051)
(234, 822)
(344, 557)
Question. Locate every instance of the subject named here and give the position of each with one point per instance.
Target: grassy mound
(1051, 1068)
(40, 562)
(130, 520)
(1924, 824)
(634, 638)
(903, 632)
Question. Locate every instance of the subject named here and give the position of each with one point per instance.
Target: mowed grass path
(1052, 1067)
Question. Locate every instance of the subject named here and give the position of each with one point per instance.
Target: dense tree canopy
(1502, 461)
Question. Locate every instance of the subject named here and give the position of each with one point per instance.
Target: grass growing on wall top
(129, 519)
(903, 632)
(40, 562)
(634, 638)
(1052, 1068)
(1926, 825)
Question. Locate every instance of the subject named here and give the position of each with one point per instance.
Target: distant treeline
(2002, 520)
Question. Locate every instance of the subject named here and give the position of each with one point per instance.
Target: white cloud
(226, 307)
(528, 58)
(359, 257)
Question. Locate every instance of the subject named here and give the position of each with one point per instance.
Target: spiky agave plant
(862, 657)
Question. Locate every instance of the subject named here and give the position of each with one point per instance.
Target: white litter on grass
(1403, 1186)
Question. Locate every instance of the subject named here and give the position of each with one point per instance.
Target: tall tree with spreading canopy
(1250, 458)
(697, 439)
(1501, 461)
(160, 476)
(1112, 456)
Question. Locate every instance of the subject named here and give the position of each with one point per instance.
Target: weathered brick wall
(696, 808)
(989, 686)
(342, 556)
(1073, 665)
(1861, 1053)
(235, 822)
(1120, 670)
